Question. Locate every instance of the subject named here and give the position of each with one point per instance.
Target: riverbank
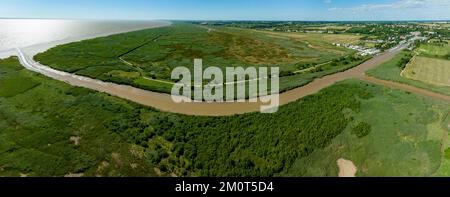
(164, 102)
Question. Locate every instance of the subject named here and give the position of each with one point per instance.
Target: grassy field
(428, 70)
(14, 83)
(392, 70)
(316, 38)
(134, 58)
(435, 50)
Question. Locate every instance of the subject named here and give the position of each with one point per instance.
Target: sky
(304, 10)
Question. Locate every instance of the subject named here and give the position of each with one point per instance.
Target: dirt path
(346, 168)
(164, 102)
(408, 88)
(140, 46)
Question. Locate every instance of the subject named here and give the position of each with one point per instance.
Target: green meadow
(145, 58)
(435, 50)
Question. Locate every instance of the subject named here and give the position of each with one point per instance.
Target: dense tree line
(404, 61)
(244, 145)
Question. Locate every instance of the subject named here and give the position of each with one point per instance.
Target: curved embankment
(164, 102)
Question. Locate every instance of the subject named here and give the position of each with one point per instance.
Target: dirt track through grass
(407, 88)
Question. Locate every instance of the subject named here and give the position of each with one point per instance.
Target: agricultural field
(435, 50)
(430, 65)
(67, 131)
(392, 69)
(146, 58)
(426, 67)
(428, 70)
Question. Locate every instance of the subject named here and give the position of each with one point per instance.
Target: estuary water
(41, 34)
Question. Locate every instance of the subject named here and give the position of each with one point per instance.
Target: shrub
(447, 153)
(362, 130)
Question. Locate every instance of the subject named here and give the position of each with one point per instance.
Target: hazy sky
(229, 9)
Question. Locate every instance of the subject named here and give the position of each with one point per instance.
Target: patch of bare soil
(75, 140)
(134, 166)
(158, 171)
(74, 175)
(116, 158)
(104, 165)
(346, 168)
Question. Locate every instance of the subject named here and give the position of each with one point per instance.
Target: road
(164, 102)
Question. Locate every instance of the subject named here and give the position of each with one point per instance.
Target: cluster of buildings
(364, 51)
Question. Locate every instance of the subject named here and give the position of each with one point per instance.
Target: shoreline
(33, 50)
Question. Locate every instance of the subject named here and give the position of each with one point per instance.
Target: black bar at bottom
(152, 186)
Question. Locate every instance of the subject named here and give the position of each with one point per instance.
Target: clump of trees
(405, 60)
(447, 153)
(303, 66)
(362, 129)
(346, 60)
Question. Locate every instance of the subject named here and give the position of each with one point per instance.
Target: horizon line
(228, 20)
